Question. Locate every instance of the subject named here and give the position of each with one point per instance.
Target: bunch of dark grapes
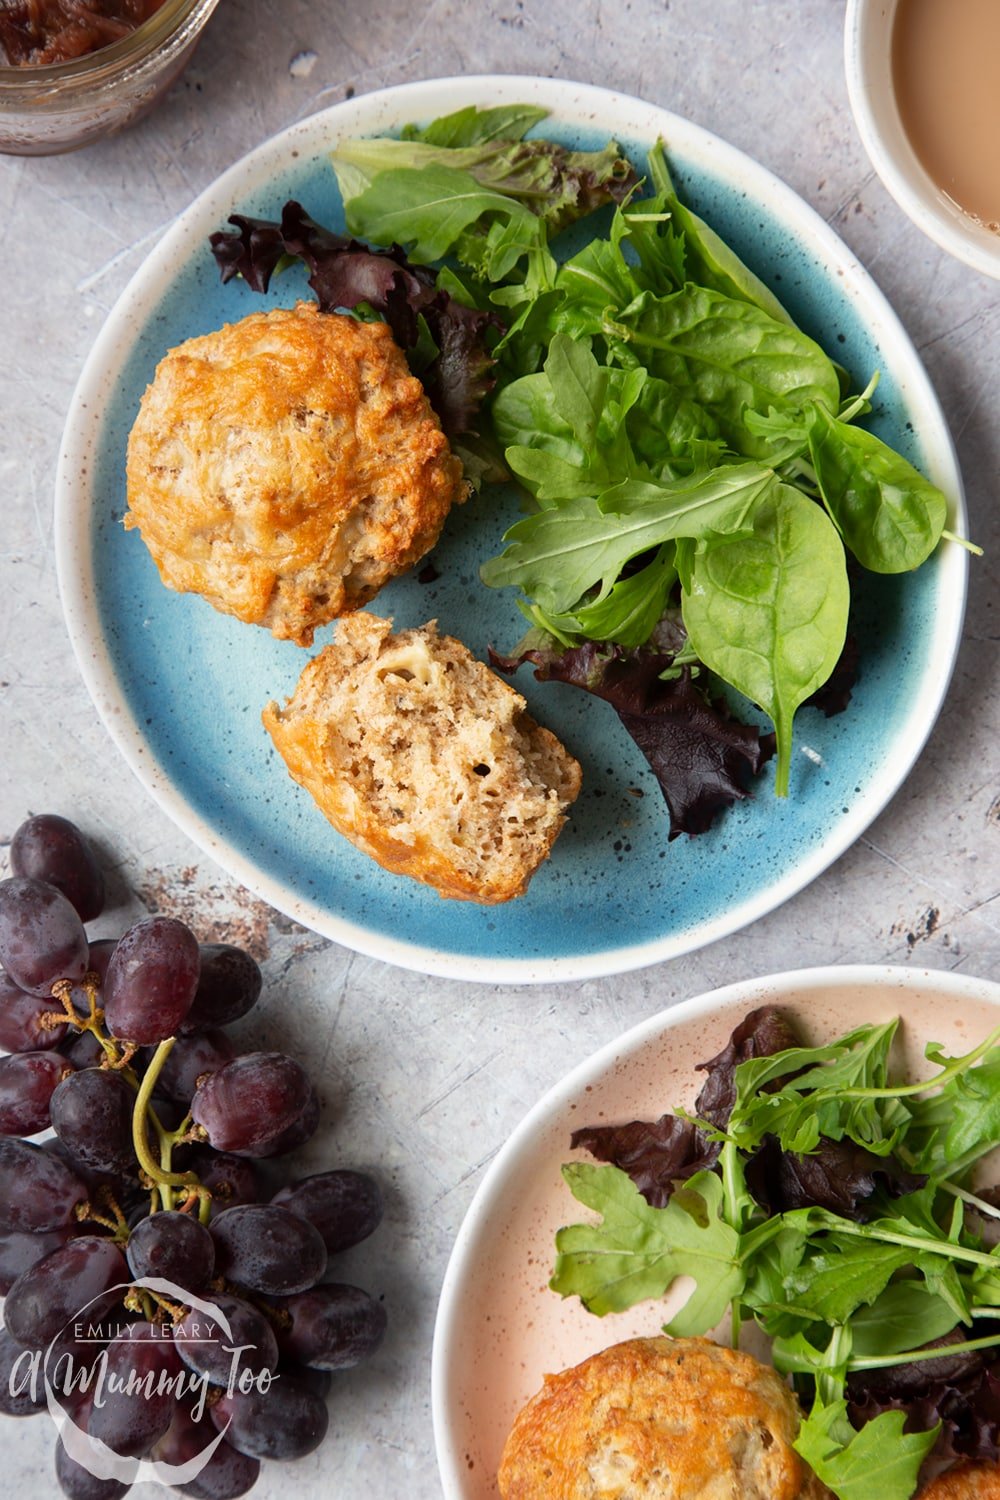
(152, 1177)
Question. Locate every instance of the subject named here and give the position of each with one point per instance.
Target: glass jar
(60, 106)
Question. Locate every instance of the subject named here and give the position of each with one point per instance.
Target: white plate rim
(503, 1170)
(581, 103)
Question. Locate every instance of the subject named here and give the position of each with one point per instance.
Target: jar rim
(168, 22)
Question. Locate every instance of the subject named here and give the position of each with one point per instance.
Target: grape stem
(63, 990)
(159, 1173)
(105, 1211)
(149, 1303)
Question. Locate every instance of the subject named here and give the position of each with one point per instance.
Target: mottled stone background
(423, 1079)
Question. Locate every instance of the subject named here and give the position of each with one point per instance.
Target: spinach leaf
(889, 515)
(637, 1252)
(573, 417)
(641, 424)
(730, 358)
(671, 434)
(767, 611)
(558, 555)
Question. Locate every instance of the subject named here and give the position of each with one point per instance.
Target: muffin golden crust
(425, 759)
(967, 1481)
(287, 466)
(659, 1419)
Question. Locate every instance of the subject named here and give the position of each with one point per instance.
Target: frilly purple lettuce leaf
(840, 1176)
(657, 1154)
(762, 1033)
(701, 756)
(962, 1393)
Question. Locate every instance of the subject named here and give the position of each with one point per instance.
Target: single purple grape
(134, 1406)
(27, 1082)
(47, 847)
(229, 986)
(251, 1102)
(332, 1326)
(21, 1028)
(288, 1420)
(207, 1347)
(92, 1114)
(173, 1246)
(225, 1476)
(151, 981)
(38, 1192)
(41, 937)
(268, 1249)
(77, 1280)
(345, 1206)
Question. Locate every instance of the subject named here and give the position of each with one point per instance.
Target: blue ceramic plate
(181, 687)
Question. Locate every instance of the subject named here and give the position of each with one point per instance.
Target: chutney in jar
(36, 32)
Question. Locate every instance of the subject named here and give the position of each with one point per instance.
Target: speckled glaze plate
(181, 688)
(499, 1328)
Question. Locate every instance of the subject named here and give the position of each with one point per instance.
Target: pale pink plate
(499, 1329)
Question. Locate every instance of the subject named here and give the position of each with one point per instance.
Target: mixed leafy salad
(810, 1192)
(696, 478)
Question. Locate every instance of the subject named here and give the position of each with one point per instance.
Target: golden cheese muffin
(968, 1481)
(425, 759)
(287, 466)
(659, 1419)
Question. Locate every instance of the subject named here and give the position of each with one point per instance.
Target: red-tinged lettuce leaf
(761, 1033)
(253, 250)
(658, 1154)
(347, 274)
(840, 1176)
(921, 1376)
(701, 756)
(655, 1154)
(965, 1399)
(555, 184)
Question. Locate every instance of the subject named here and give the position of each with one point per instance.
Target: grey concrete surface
(423, 1079)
